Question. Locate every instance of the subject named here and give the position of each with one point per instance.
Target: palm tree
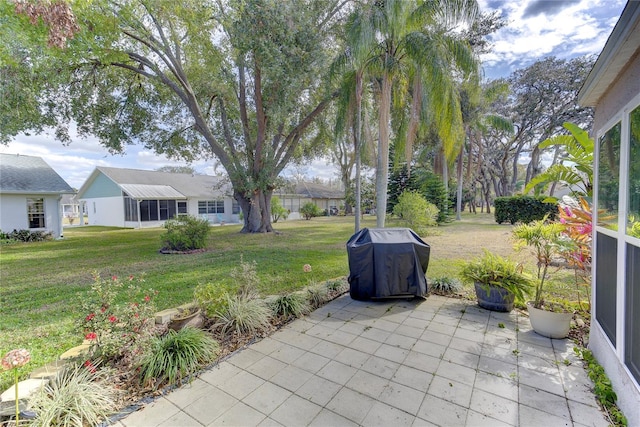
(414, 41)
(355, 59)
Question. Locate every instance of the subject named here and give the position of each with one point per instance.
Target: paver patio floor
(434, 362)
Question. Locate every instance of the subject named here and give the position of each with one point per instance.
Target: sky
(536, 29)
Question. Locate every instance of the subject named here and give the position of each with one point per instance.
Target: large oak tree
(239, 80)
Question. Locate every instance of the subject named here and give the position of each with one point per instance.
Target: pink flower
(114, 278)
(15, 359)
(91, 336)
(103, 309)
(89, 317)
(112, 319)
(306, 268)
(130, 277)
(147, 298)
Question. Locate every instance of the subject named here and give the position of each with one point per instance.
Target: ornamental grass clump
(243, 315)
(293, 304)
(77, 396)
(176, 355)
(317, 295)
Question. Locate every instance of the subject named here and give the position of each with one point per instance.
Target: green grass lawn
(42, 284)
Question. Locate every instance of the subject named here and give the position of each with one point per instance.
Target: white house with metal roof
(143, 198)
(30, 193)
(613, 88)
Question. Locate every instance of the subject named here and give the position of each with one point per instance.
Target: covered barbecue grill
(387, 262)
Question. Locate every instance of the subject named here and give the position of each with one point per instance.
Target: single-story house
(613, 88)
(328, 199)
(142, 198)
(30, 193)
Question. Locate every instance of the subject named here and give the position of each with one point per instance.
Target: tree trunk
(256, 211)
(382, 172)
(459, 189)
(357, 147)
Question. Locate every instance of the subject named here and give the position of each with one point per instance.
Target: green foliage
(212, 297)
(435, 192)
(493, 270)
(602, 387)
(243, 316)
(25, 236)
(399, 182)
(336, 285)
(310, 210)
(277, 210)
(633, 229)
(317, 295)
(547, 242)
(578, 174)
(445, 285)
(185, 233)
(115, 328)
(77, 396)
(293, 304)
(524, 209)
(177, 355)
(416, 211)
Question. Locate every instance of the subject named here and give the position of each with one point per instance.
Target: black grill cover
(387, 262)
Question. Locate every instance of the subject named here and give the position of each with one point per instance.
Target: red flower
(89, 317)
(90, 366)
(112, 319)
(147, 298)
(131, 277)
(91, 336)
(136, 315)
(103, 309)
(114, 278)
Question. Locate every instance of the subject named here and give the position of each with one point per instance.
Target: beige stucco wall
(619, 94)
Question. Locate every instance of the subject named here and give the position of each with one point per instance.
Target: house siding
(623, 90)
(13, 213)
(102, 187)
(108, 211)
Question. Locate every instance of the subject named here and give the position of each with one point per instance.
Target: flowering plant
(13, 360)
(117, 328)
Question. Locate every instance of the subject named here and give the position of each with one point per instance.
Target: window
(235, 208)
(35, 212)
(609, 176)
(210, 206)
(149, 210)
(167, 209)
(130, 208)
(633, 188)
(182, 208)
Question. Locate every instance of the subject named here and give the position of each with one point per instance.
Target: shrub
(294, 304)
(310, 210)
(435, 192)
(185, 233)
(524, 209)
(118, 329)
(26, 236)
(177, 355)
(416, 211)
(445, 285)
(212, 297)
(77, 396)
(277, 210)
(243, 316)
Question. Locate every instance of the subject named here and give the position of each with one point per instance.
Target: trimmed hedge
(523, 209)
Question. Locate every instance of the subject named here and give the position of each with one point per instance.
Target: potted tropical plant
(547, 242)
(498, 281)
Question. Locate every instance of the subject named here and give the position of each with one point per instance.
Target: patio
(434, 362)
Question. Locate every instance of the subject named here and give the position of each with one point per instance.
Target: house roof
(623, 44)
(314, 190)
(145, 184)
(30, 175)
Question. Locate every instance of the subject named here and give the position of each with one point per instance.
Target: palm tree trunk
(357, 144)
(459, 189)
(382, 172)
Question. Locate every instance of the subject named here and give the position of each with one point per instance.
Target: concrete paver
(434, 362)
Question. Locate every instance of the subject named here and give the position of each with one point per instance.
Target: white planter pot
(549, 323)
